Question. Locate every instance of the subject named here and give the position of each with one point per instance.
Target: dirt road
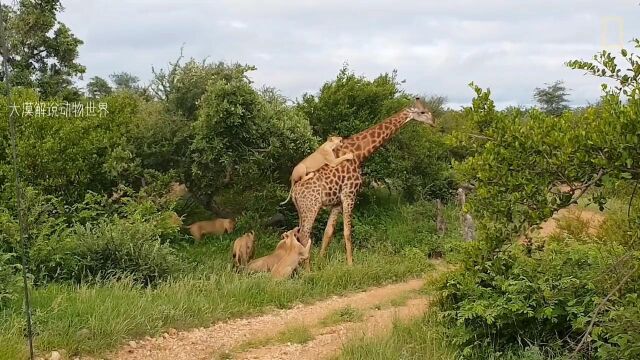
(264, 337)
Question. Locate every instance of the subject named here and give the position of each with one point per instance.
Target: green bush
(618, 335)
(244, 140)
(94, 240)
(9, 279)
(546, 299)
(109, 250)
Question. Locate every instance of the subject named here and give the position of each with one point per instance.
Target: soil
(379, 306)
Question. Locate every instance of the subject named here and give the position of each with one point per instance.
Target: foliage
(383, 221)
(605, 65)
(95, 240)
(43, 51)
(242, 139)
(9, 279)
(98, 87)
(552, 98)
(183, 85)
(507, 298)
(546, 298)
(158, 139)
(125, 81)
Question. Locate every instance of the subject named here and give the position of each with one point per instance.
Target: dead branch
(600, 306)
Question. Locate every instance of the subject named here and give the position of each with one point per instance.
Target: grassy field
(420, 339)
(93, 319)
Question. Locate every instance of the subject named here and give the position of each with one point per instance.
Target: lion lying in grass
(285, 258)
(215, 227)
(294, 255)
(266, 263)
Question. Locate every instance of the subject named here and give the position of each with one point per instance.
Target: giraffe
(336, 187)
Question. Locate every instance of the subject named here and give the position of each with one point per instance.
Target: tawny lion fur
(266, 263)
(243, 249)
(323, 155)
(295, 254)
(216, 227)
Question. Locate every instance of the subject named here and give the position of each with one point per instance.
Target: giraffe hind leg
(308, 216)
(328, 231)
(348, 201)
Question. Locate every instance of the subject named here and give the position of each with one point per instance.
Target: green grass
(118, 311)
(395, 302)
(294, 335)
(421, 339)
(342, 315)
(291, 335)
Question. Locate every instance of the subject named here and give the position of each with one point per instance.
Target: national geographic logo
(612, 32)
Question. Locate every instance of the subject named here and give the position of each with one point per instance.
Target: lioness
(216, 227)
(295, 253)
(323, 155)
(266, 263)
(243, 249)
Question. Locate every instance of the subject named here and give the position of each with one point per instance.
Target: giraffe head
(420, 113)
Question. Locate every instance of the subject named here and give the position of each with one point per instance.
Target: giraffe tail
(290, 191)
(288, 197)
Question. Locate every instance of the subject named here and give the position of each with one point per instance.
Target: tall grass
(420, 339)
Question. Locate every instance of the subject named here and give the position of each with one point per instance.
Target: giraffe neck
(365, 143)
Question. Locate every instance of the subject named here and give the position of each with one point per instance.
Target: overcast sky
(438, 47)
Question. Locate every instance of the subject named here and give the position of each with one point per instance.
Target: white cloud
(438, 47)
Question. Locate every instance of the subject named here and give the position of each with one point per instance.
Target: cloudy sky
(438, 47)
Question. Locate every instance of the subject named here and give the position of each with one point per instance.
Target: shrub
(9, 279)
(244, 140)
(94, 240)
(546, 299)
(113, 249)
(618, 336)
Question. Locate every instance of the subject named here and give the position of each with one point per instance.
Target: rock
(83, 334)
(276, 220)
(55, 356)
(132, 344)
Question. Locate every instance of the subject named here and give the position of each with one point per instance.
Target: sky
(437, 47)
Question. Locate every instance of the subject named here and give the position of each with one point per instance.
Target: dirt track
(379, 308)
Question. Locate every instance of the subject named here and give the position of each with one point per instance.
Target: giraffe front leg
(328, 231)
(348, 201)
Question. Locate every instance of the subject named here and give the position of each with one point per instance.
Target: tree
(42, 50)
(125, 81)
(98, 87)
(244, 141)
(183, 85)
(553, 98)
